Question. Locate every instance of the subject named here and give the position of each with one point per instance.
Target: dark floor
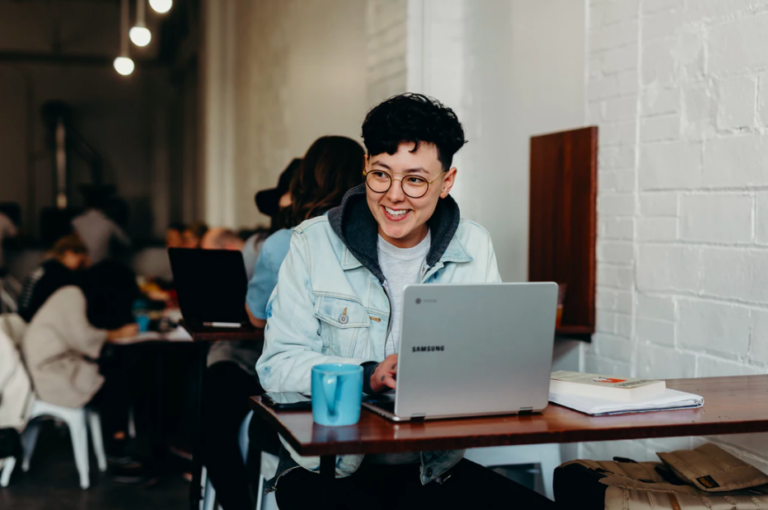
(52, 483)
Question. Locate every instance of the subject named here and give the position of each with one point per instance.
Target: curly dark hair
(331, 166)
(415, 118)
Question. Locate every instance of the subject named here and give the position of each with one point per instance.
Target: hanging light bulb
(161, 6)
(140, 34)
(123, 64)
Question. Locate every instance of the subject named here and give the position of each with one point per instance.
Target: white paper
(670, 399)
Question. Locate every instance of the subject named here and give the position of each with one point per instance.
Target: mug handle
(330, 385)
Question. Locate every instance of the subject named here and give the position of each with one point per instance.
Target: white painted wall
(680, 94)
(511, 69)
(299, 72)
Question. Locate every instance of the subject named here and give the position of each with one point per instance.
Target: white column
(218, 112)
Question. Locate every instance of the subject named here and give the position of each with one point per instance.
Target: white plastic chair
(267, 471)
(78, 421)
(547, 456)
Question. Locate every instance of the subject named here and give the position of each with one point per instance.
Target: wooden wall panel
(563, 221)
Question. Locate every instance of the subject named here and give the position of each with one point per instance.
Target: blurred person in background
(332, 165)
(221, 239)
(269, 202)
(99, 225)
(7, 230)
(64, 346)
(68, 256)
(174, 235)
(193, 234)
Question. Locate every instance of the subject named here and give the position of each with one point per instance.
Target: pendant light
(161, 6)
(123, 64)
(140, 34)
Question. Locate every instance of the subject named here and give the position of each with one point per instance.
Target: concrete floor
(52, 483)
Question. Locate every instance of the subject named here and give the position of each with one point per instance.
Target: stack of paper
(669, 400)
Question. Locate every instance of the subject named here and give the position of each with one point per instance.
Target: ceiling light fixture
(161, 6)
(123, 64)
(140, 34)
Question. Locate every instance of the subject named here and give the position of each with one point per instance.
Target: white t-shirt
(401, 267)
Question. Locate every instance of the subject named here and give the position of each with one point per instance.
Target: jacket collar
(353, 222)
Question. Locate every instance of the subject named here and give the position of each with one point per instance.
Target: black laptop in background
(211, 287)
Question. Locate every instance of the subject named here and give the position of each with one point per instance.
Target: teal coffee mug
(337, 390)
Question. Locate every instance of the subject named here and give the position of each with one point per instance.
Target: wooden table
(732, 405)
(202, 337)
(205, 336)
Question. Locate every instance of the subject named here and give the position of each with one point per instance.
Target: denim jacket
(332, 271)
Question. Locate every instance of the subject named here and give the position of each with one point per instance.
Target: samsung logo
(428, 348)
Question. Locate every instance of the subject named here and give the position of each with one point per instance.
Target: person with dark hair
(7, 230)
(269, 202)
(63, 345)
(339, 299)
(192, 236)
(68, 256)
(173, 235)
(331, 166)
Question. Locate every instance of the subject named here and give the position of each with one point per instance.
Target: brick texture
(683, 206)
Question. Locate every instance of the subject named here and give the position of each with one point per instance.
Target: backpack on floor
(702, 479)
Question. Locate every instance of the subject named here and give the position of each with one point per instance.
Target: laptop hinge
(418, 417)
(525, 410)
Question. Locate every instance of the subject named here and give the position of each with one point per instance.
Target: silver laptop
(472, 350)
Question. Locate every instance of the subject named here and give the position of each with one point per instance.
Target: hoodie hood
(353, 222)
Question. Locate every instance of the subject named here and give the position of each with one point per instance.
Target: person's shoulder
(471, 230)
(279, 241)
(65, 302)
(71, 294)
(318, 223)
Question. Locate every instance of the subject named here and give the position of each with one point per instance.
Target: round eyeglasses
(413, 186)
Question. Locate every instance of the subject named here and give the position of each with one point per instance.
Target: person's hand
(127, 331)
(385, 375)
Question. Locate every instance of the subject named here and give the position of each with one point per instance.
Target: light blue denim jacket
(332, 270)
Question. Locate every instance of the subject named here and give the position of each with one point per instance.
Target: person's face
(74, 261)
(402, 219)
(189, 239)
(173, 239)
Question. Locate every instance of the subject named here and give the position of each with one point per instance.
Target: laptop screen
(210, 284)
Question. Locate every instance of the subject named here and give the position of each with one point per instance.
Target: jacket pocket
(343, 326)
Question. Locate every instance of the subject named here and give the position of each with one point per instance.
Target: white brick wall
(680, 92)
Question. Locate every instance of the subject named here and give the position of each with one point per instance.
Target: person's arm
(264, 280)
(292, 344)
(259, 323)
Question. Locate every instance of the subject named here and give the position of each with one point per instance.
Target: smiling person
(339, 299)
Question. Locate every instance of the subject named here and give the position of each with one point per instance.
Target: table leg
(327, 476)
(195, 491)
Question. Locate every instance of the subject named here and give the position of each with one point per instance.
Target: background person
(7, 230)
(63, 345)
(332, 165)
(193, 234)
(174, 235)
(98, 226)
(221, 239)
(68, 256)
